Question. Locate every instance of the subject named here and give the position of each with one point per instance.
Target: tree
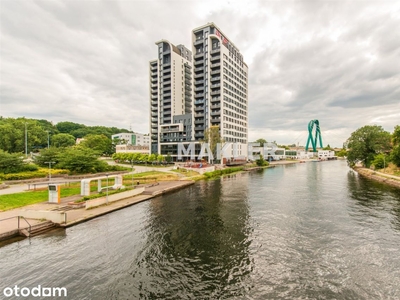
(212, 136)
(98, 142)
(63, 140)
(12, 133)
(80, 159)
(10, 162)
(328, 148)
(365, 143)
(261, 141)
(342, 153)
(395, 155)
(47, 155)
(68, 127)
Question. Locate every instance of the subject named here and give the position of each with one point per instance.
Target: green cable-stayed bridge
(314, 135)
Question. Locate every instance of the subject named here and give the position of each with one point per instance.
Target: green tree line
(371, 145)
(23, 134)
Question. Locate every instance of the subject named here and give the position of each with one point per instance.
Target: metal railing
(19, 227)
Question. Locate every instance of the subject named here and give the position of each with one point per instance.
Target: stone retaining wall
(114, 197)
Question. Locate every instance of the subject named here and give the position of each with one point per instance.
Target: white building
(133, 139)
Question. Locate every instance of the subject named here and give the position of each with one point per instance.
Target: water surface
(302, 231)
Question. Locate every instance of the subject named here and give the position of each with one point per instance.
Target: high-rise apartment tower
(190, 93)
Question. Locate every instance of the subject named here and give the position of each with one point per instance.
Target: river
(300, 231)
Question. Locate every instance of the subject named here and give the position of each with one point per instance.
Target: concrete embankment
(378, 176)
(15, 222)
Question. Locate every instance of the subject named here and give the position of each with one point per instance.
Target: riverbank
(16, 222)
(379, 176)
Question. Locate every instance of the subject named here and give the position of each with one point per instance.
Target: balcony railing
(198, 62)
(201, 54)
(198, 121)
(201, 75)
(214, 58)
(197, 82)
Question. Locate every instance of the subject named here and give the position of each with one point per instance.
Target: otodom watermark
(37, 291)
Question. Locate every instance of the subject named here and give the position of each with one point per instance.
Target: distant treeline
(40, 133)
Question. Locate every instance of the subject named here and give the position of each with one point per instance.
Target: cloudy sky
(87, 61)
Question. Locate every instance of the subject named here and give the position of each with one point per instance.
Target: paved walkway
(75, 216)
(388, 175)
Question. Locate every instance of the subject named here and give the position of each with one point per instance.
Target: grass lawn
(149, 176)
(16, 200)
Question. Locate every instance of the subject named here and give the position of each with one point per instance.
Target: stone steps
(38, 229)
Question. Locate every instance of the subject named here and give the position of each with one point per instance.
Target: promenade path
(9, 219)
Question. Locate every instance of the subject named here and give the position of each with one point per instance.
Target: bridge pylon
(314, 135)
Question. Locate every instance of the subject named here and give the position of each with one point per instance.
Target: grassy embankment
(16, 200)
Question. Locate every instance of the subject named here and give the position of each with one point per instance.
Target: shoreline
(378, 176)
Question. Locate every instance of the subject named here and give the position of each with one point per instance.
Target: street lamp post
(26, 141)
(49, 162)
(48, 139)
(132, 175)
(107, 190)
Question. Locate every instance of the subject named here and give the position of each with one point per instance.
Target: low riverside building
(132, 149)
(132, 139)
(326, 155)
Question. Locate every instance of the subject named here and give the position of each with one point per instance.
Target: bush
(217, 173)
(30, 168)
(261, 162)
(380, 161)
(40, 173)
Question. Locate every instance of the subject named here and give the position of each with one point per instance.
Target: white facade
(326, 154)
(132, 149)
(134, 139)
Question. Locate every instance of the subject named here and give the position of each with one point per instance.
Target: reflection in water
(305, 231)
(369, 195)
(200, 236)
